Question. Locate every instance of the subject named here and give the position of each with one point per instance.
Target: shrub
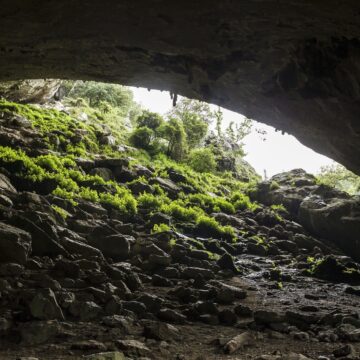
(150, 120)
(174, 133)
(202, 160)
(141, 137)
(278, 208)
(223, 205)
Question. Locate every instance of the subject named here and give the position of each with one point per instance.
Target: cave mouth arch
(295, 68)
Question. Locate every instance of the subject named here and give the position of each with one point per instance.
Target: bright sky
(276, 154)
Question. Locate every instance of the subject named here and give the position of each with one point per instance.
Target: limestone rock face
(27, 91)
(289, 64)
(325, 212)
(335, 219)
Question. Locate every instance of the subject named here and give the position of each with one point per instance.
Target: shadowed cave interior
(125, 234)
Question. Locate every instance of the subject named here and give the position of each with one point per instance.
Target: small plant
(124, 202)
(172, 242)
(89, 194)
(274, 185)
(278, 208)
(152, 202)
(314, 264)
(260, 241)
(158, 228)
(63, 213)
(211, 203)
(242, 202)
(182, 213)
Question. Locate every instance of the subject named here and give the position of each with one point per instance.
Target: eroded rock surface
(324, 211)
(290, 64)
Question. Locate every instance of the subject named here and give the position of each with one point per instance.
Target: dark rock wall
(294, 65)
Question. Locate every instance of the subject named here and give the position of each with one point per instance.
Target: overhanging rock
(294, 65)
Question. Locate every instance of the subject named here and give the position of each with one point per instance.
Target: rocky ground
(98, 286)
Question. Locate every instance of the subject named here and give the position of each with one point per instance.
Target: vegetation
(158, 228)
(242, 201)
(208, 226)
(339, 177)
(202, 160)
(97, 119)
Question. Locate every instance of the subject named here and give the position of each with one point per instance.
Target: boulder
(45, 307)
(335, 219)
(42, 243)
(5, 184)
(78, 247)
(288, 189)
(166, 184)
(161, 331)
(36, 91)
(103, 172)
(15, 244)
(134, 348)
(39, 332)
(115, 246)
(140, 187)
(324, 211)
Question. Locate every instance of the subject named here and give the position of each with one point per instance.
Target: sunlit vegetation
(339, 177)
(102, 119)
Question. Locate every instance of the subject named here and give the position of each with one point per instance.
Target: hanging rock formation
(294, 65)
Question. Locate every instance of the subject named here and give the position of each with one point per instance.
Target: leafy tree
(196, 117)
(219, 117)
(202, 160)
(337, 176)
(185, 106)
(150, 119)
(142, 137)
(235, 133)
(101, 95)
(173, 131)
